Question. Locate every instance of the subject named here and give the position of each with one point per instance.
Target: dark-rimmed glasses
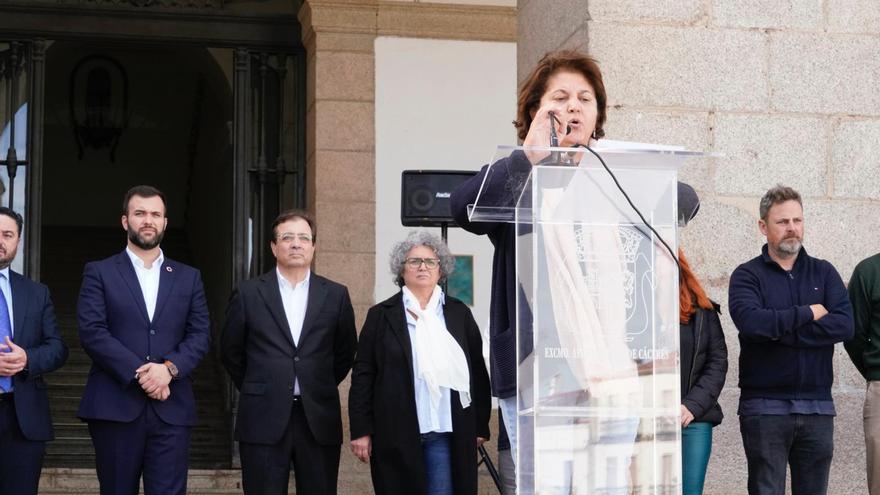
(415, 263)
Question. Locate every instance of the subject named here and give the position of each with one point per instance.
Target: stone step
(75, 432)
(67, 481)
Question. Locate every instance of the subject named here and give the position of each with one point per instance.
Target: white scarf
(441, 361)
(594, 325)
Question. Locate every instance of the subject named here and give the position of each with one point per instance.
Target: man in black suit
(30, 346)
(289, 341)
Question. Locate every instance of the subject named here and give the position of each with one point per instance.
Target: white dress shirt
(295, 299)
(6, 287)
(148, 278)
(437, 419)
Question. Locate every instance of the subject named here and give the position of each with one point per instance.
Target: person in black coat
(419, 403)
(703, 372)
(703, 358)
(289, 340)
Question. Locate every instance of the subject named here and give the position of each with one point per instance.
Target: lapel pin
(168, 269)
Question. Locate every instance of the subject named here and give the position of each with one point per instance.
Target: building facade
(240, 108)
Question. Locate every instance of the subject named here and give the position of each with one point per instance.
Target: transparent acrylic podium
(597, 331)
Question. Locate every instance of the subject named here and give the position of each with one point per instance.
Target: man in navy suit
(30, 346)
(144, 322)
(288, 342)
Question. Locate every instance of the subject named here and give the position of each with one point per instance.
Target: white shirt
(148, 278)
(437, 419)
(6, 287)
(295, 298)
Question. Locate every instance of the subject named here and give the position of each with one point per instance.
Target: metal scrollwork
(98, 103)
(13, 60)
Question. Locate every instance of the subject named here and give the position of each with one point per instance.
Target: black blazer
(34, 329)
(704, 366)
(259, 354)
(382, 401)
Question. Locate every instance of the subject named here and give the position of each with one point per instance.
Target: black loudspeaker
(424, 199)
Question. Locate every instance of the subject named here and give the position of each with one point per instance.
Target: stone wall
(787, 92)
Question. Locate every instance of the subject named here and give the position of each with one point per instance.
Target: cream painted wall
(440, 104)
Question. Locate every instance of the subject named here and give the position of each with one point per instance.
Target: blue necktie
(5, 331)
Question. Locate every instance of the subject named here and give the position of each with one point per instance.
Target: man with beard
(144, 322)
(790, 310)
(30, 346)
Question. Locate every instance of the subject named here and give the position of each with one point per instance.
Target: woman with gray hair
(419, 402)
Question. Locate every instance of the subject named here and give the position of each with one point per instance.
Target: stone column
(340, 141)
(340, 163)
(545, 26)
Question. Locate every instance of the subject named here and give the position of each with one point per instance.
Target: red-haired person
(703, 371)
(703, 354)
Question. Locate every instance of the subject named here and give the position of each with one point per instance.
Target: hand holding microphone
(546, 130)
(554, 137)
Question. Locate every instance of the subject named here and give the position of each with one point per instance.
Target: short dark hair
(288, 215)
(9, 212)
(143, 191)
(775, 195)
(535, 86)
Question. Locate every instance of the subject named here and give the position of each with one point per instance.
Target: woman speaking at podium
(562, 103)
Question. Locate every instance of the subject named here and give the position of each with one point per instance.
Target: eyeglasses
(288, 237)
(415, 263)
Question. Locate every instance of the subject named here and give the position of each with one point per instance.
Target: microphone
(554, 138)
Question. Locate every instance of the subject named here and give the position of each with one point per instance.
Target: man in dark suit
(288, 343)
(144, 322)
(30, 346)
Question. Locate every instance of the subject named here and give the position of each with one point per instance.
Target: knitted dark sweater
(784, 353)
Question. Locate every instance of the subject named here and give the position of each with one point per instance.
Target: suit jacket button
(296, 359)
(152, 332)
(148, 357)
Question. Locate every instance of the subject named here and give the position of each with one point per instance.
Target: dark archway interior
(117, 116)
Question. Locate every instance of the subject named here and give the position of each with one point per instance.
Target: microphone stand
(484, 458)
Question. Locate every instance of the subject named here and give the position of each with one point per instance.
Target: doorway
(219, 130)
(118, 116)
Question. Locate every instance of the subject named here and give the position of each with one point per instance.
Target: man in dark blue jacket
(144, 322)
(30, 347)
(790, 310)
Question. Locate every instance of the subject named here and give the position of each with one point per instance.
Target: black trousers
(21, 460)
(265, 469)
